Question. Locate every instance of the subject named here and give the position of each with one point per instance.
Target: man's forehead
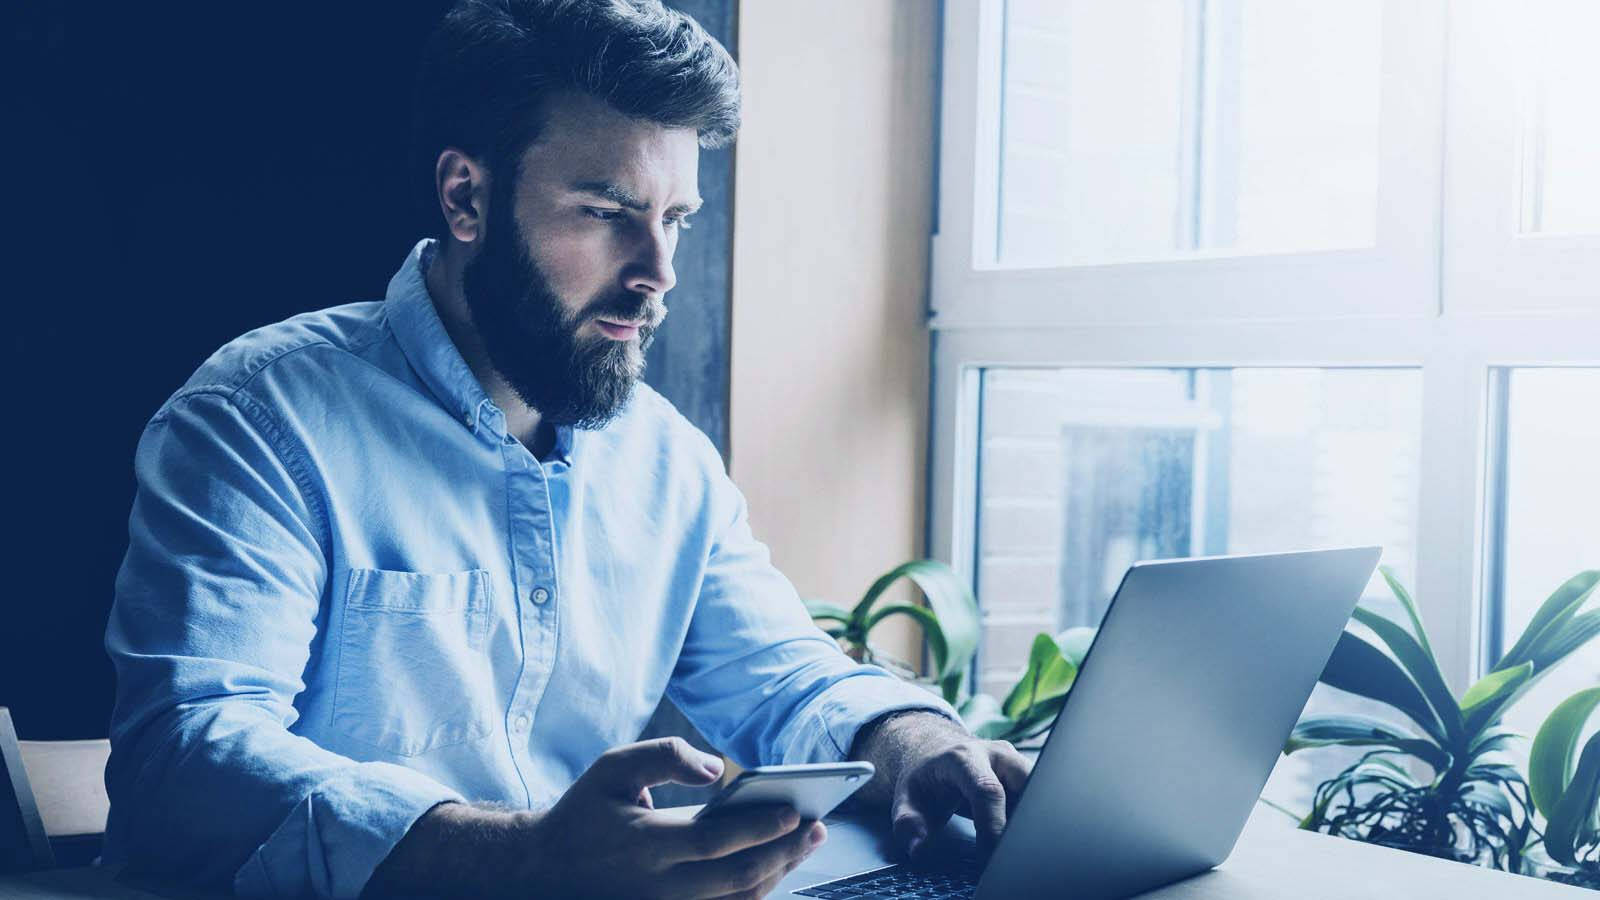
(587, 145)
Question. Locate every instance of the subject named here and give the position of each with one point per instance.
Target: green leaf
(1491, 740)
(1362, 669)
(1550, 761)
(1410, 606)
(950, 686)
(1420, 665)
(1483, 703)
(1572, 822)
(1558, 608)
(1497, 772)
(819, 609)
(931, 631)
(1363, 731)
(1037, 720)
(952, 603)
(1049, 674)
(821, 612)
(1561, 641)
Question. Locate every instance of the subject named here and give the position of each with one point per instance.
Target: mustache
(627, 308)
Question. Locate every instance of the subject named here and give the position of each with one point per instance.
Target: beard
(534, 345)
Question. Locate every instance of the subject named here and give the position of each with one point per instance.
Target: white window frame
(1414, 300)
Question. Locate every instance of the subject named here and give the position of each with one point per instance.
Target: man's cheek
(573, 268)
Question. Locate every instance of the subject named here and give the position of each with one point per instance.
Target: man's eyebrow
(625, 198)
(613, 192)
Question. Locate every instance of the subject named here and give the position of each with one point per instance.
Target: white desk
(1273, 861)
(1276, 860)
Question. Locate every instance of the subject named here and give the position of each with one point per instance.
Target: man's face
(566, 288)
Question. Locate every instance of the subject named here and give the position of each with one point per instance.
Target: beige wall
(830, 348)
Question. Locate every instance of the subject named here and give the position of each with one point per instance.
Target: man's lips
(619, 331)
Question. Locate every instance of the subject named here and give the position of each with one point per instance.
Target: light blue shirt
(350, 595)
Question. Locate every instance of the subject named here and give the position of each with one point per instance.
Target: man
(406, 578)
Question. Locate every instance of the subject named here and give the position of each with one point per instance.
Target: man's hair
(490, 64)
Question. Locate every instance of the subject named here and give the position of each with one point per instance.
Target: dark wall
(689, 361)
(178, 174)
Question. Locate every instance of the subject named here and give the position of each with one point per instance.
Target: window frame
(1405, 303)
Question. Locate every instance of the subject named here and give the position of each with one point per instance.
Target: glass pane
(1151, 129)
(1084, 471)
(1551, 531)
(1560, 132)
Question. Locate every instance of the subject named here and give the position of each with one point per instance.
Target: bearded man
(407, 578)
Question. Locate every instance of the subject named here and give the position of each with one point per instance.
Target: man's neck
(443, 279)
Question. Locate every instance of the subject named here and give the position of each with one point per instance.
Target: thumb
(908, 825)
(622, 772)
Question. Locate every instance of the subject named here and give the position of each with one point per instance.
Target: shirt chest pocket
(413, 673)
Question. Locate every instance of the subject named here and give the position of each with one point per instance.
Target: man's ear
(462, 185)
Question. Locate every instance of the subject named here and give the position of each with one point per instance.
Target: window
(1559, 186)
(1544, 512)
(1085, 471)
(1227, 275)
(1228, 120)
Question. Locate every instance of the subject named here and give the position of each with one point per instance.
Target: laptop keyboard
(959, 880)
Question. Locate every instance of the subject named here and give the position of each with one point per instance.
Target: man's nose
(650, 270)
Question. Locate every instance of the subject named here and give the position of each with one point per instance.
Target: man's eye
(679, 222)
(604, 215)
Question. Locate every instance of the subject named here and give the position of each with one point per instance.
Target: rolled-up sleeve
(218, 604)
(758, 677)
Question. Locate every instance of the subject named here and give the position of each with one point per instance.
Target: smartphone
(812, 789)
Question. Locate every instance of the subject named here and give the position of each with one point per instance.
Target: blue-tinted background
(178, 174)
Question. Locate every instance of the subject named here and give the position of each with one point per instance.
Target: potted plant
(1568, 795)
(1032, 703)
(949, 623)
(1470, 807)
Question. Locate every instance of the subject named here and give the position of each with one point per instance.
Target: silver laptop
(1199, 672)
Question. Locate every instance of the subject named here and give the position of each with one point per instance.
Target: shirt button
(521, 723)
(540, 595)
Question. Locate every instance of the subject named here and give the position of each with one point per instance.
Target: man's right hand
(603, 839)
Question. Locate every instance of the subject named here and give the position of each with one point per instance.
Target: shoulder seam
(272, 430)
(246, 376)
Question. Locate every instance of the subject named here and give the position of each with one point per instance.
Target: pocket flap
(418, 592)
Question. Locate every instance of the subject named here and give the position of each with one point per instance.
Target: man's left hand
(929, 767)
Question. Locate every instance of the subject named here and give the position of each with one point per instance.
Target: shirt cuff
(335, 838)
(829, 729)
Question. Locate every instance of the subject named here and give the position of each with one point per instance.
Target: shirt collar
(423, 339)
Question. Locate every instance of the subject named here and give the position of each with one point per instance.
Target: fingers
(727, 832)
(908, 825)
(1012, 768)
(986, 798)
(924, 800)
(765, 887)
(622, 772)
(979, 778)
(745, 872)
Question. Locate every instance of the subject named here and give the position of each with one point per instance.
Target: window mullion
(1449, 507)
